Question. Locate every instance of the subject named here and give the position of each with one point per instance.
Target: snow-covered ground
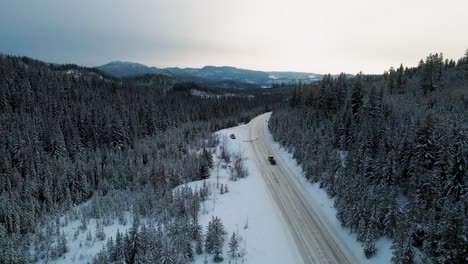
(248, 209)
(267, 239)
(324, 203)
(248, 202)
(83, 245)
(205, 94)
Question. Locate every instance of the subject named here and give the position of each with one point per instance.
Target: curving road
(314, 239)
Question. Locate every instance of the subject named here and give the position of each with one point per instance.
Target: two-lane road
(314, 239)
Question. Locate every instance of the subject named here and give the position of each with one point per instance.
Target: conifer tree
(456, 183)
(62, 247)
(356, 97)
(401, 147)
(391, 80)
(207, 157)
(203, 172)
(400, 74)
(233, 246)
(215, 236)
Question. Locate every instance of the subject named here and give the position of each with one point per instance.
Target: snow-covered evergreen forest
(391, 150)
(91, 148)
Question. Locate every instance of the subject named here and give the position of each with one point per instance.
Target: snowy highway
(314, 239)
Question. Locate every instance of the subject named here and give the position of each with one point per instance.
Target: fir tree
(400, 77)
(207, 157)
(62, 247)
(456, 182)
(356, 97)
(233, 246)
(215, 236)
(203, 172)
(403, 252)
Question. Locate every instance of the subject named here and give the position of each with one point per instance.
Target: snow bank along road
(314, 239)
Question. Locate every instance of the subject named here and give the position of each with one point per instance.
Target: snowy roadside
(247, 209)
(325, 205)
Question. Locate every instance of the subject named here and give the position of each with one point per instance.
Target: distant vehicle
(232, 136)
(272, 160)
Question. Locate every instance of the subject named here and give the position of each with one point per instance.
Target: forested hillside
(66, 139)
(392, 151)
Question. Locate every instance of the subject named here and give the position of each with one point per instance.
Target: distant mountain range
(224, 74)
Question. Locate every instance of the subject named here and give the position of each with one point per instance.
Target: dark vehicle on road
(232, 136)
(272, 160)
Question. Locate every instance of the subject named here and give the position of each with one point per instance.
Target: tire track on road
(316, 243)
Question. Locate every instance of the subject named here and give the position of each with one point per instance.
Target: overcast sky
(300, 35)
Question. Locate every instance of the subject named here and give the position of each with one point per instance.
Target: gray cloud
(307, 35)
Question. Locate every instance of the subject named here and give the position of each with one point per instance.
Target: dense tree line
(68, 138)
(392, 151)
